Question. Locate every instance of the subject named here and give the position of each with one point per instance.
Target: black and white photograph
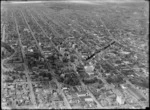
(74, 54)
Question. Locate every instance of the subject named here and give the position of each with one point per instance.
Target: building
(123, 86)
(62, 50)
(120, 100)
(135, 93)
(89, 99)
(89, 69)
(65, 88)
(82, 93)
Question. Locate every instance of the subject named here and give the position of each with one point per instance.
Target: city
(70, 55)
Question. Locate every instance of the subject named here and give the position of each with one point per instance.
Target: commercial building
(120, 100)
(89, 69)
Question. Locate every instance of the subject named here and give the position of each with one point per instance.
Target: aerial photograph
(74, 54)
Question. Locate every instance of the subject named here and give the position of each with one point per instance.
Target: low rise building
(120, 100)
(82, 93)
(89, 68)
(65, 88)
(89, 99)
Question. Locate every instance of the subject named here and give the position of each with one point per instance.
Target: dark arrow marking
(98, 51)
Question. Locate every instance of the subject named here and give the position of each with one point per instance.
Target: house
(69, 97)
(74, 95)
(90, 73)
(76, 106)
(89, 99)
(65, 88)
(86, 99)
(80, 88)
(75, 89)
(82, 93)
(123, 86)
(74, 101)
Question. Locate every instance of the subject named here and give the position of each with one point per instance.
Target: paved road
(35, 19)
(127, 66)
(62, 93)
(83, 85)
(3, 38)
(3, 61)
(3, 35)
(25, 65)
(59, 86)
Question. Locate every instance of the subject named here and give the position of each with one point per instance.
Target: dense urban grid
(67, 55)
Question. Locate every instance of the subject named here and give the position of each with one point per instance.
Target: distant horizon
(71, 1)
(81, 0)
